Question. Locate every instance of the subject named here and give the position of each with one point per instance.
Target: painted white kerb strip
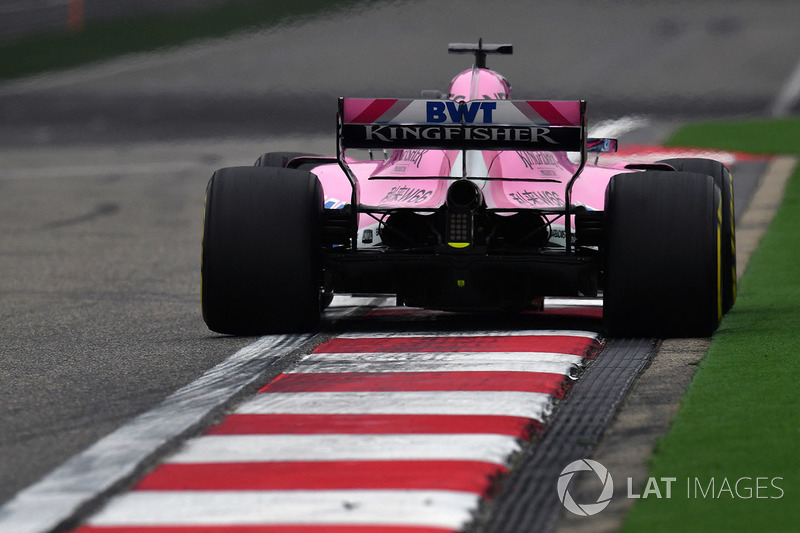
(432, 508)
(445, 358)
(534, 405)
(553, 363)
(453, 364)
(260, 448)
(44, 505)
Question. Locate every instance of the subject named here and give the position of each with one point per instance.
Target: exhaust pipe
(464, 194)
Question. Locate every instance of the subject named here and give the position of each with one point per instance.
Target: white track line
(447, 509)
(335, 447)
(44, 505)
(534, 405)
(789, 95)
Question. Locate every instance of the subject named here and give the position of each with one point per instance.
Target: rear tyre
(724, 180)
(261, 257)
(662, 266)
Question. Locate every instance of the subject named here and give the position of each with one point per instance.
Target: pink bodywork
(390, 183)
(479, 84)
(403, 192)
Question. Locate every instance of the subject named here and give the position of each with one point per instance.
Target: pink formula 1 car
(476, 203)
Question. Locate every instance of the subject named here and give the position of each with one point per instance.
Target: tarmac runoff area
(654, 398)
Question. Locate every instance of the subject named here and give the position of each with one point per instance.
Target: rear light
(463, 198)
(459, 228)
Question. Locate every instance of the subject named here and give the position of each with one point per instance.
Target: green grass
(105, 39)
(741, 415)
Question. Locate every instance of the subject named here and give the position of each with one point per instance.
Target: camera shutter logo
(585, 509)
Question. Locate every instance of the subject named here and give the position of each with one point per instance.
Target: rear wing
(523, 125)
(390, 123)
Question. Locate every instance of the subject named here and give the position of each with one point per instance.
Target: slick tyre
(662, 267)
(724, 180)
(261, 257)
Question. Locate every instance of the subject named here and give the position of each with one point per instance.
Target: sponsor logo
(334, 203)
(537, 198)
(461, 136)
(460, 112)
(586, 509)
(532, 159)
(406, 195)
(412, 156)
(520, 134)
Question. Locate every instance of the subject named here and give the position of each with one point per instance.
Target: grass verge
(104, 39)
(740, 419)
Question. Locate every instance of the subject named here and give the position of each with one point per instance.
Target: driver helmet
(479, 84)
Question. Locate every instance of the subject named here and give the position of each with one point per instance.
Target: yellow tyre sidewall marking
(719, 261)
